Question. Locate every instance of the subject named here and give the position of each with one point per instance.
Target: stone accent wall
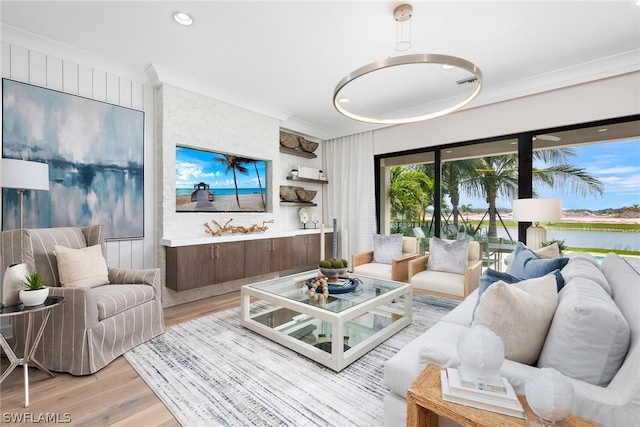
(188, 119)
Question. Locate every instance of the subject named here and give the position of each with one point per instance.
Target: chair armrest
(417, 265)
(472, 277)
(400, 268)
(361, 258)
(80, 309)
(149, 276)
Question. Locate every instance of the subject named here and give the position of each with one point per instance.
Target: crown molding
(159, 75)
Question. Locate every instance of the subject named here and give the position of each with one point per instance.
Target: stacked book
(308, 172)
(495, 394)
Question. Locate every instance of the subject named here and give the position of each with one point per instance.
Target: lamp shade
(537, 210)
(24, 175)
(549, 394)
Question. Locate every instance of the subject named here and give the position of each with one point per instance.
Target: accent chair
(398, 269)
(454, 285)
(95, 324)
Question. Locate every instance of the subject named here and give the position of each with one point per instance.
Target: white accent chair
(362, 263)
(447, 285)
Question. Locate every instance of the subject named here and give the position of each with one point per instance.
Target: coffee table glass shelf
(281, 310)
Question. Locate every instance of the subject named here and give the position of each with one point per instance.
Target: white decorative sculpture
(481, 352)
(549, 394)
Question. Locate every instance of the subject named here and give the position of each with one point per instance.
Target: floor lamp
(24, 175)
(537, 211)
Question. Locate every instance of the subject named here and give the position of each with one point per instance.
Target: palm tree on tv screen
(255, 165)
(233, 164)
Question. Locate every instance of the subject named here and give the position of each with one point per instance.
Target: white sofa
(616, 404)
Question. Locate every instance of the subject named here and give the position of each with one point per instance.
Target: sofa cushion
(582, 256)
(583, 268)
(527, 264)
(520, 314)
(589, 336)
(491, 276)
(405, 366)
(114, 299)
(387, 247)
(448, 257)
(84, 267)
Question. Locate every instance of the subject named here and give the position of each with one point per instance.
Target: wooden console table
(424, 404)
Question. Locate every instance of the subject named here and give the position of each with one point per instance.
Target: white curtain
(350, 194)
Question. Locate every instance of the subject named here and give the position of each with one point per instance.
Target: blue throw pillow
(528, 265)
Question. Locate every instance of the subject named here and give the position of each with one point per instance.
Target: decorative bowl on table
(333, 273)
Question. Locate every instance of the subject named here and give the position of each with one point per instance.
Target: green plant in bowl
(333, 268)
(34, 281)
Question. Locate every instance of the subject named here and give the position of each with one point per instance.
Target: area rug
(213, 372)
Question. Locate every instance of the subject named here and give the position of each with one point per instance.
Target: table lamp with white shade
(24, 175)
(537, 211)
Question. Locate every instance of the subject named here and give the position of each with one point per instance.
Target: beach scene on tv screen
(207, 181)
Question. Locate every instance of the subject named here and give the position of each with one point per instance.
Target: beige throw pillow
(84, 267)
(548, 252)
(520, 314)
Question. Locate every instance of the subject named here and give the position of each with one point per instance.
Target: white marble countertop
(237, 237)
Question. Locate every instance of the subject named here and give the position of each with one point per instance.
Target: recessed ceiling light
(182, 18)
(343, 100)
(447, 67)
(605, 129)
(514, 142)
(448, 151)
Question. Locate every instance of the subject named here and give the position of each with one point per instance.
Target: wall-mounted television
(208, 181)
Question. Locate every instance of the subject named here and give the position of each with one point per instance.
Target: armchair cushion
(114, 299)
(448, 257)
(84, 267)
(387, 248)
(440, 282)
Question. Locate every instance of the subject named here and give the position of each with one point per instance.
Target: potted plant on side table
(35, 292)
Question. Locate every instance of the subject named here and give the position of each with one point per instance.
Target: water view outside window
(595, 174)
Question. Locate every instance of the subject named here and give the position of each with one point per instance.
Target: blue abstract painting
(95, 153)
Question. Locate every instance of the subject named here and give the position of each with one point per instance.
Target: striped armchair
(94, 325)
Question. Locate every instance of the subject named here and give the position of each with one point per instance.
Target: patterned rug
(213, 372)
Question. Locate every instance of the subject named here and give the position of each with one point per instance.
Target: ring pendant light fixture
(393, 90)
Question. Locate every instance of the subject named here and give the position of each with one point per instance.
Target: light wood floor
(114, 396)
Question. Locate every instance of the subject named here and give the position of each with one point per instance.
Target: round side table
(30, 343)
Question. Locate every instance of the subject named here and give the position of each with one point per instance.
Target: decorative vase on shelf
(31, 298)
(14, 275)
(294, 173)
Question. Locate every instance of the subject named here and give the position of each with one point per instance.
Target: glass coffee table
(334, 332)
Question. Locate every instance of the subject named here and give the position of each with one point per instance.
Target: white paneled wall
(30, 66)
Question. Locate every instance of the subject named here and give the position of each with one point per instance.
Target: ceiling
(284, 58)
